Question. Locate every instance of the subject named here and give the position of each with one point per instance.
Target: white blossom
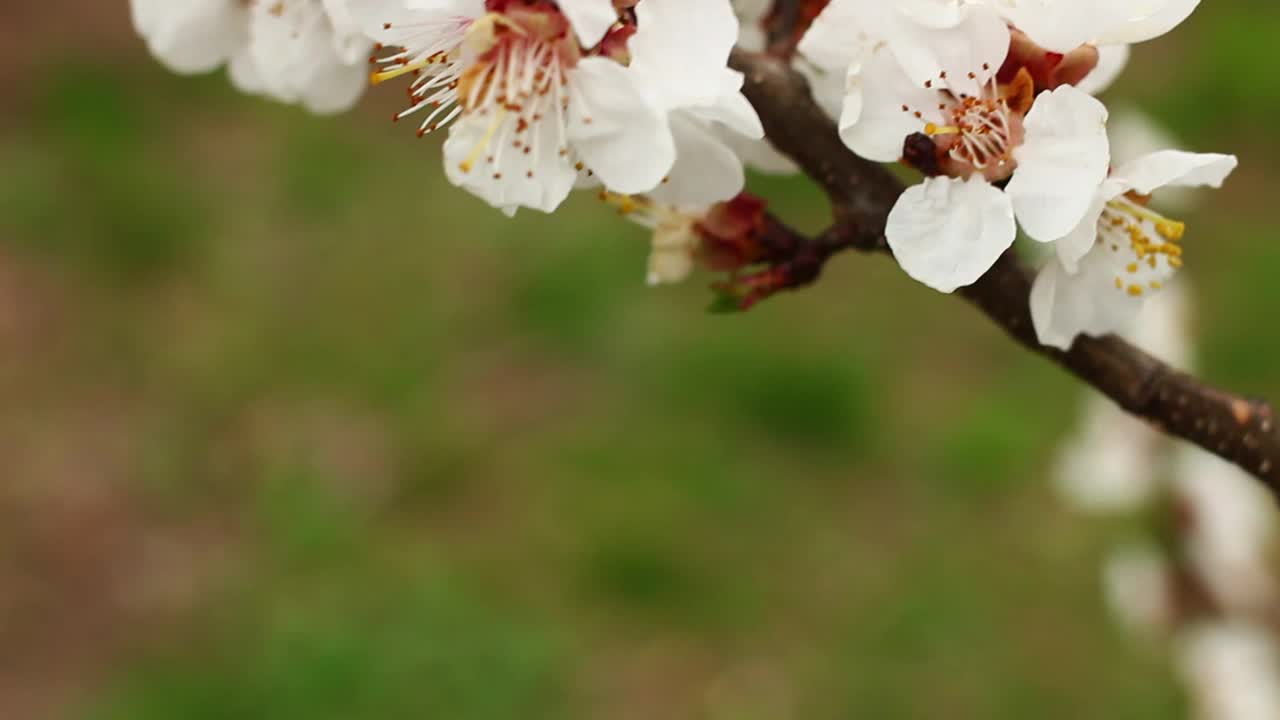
(1231, 530)
(1137, 585)
(294, 51)
(1232, 669)
(1122, 251)
(534, 111)
(949, 230)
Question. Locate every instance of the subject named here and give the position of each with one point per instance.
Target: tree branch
(1241, 430)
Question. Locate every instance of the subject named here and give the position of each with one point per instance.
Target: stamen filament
(382, 76)
(467, 164)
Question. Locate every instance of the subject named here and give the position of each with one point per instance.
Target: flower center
(973, 134)
(982, 128)
(520, 82)
(507, 68)
(1144, 245)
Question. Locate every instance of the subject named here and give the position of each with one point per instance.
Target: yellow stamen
(1171, 229)
(470, 162)
(626, 204)
(384, 75)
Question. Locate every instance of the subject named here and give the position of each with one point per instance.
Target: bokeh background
(290, 428)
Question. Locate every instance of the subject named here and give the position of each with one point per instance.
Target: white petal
(1064, 305)
(706, 170)
(1174, 168)
(751, 15)
(845, 32)
(1168, 15)
(759, 155)
(829, 86)
(966, 54)
(876, 127)
(590, 19)
(735, 122)
(850, 115)
(1077, 243)
(503, 177)
(1061, 163)
(681, 50)
(1064, 25)
(244, 74)
(412, 24)
(731, 108)
(934, 13)
(337, 88)
(293, 46)
(946, 233)
(349, 42)
(193, 36)
(616, 131)
(1112, 60)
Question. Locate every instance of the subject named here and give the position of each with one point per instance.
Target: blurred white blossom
(295, 51)
(1115, 462)
(1232, 670)
(1231, 530)
(1137, 585)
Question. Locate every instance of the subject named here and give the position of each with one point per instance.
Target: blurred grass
(477, 470)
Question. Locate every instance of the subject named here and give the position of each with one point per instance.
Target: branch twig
(780, 25)
(1239, 429)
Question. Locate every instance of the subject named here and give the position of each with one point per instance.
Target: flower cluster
(541, 97)
(992, 101)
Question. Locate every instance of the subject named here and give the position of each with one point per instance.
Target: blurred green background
(290, 428)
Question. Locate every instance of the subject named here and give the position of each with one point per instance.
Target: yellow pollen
(1171, 229)
(932, 129)
(1148, 242)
